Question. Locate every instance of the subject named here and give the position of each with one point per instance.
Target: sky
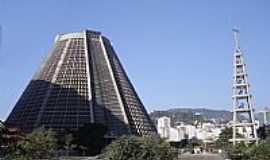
(176, 52)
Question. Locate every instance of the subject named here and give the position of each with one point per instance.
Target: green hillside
(188, 115)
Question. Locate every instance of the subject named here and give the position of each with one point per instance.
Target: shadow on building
(63, 109)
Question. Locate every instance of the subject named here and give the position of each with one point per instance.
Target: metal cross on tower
(244, 127)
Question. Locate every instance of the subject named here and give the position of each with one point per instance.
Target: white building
(207, 132)
(187, 131)
(166, 131)
(163, 127)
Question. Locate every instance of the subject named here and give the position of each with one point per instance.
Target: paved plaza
(201, 157)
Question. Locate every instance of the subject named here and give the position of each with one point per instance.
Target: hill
(189, 115)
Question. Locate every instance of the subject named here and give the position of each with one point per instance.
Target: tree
(260, 151)
(2, 131)
(40, 144)
(89, 139)
(195, 142)
(69, 143)
(239, 151)
(138, 148)
(9, 138)
(223, 140)
(242, 151)
(267, 133)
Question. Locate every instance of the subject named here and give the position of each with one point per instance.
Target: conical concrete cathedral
(81, 81)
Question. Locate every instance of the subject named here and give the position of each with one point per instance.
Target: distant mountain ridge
(189, 115)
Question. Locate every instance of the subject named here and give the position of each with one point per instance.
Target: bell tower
(244, 127)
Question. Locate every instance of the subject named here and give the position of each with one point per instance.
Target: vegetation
(45, 143)
(40, 144)
(9, 138)
(138, 148)
(223, 140)
(187, 115)
(68, 144)
(260, 151)
(2, 132)
(89, 139)
(244, 151)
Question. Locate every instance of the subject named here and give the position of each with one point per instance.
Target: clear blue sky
(176, 52)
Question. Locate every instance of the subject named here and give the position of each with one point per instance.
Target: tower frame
(242, 99)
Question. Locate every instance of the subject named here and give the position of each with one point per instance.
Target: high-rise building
(264, 117)
(243, 124)
(81, 81)
(163, 127)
